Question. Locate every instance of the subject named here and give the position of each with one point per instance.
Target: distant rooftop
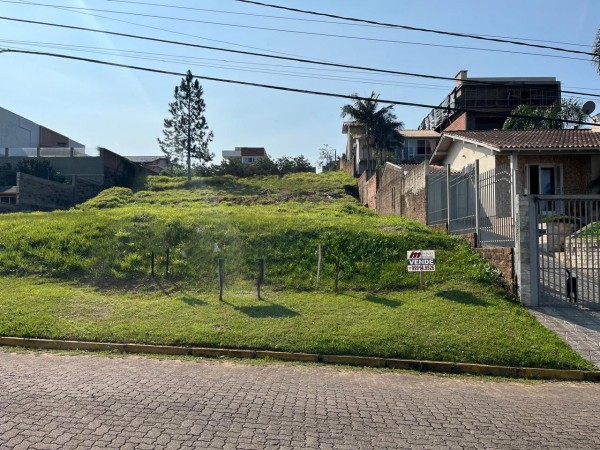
(144, 159)
(422, 134)
(531, 139)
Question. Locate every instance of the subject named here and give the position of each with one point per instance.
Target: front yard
(454, 321)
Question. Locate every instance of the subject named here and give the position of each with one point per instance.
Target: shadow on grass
(264, 310)
(462, 297)
(378, 299)
(382, 301)
(193, 301)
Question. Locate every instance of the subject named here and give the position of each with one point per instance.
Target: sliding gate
(568, 254)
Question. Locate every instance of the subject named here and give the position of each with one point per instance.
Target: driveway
(49, 401)
(580, 328)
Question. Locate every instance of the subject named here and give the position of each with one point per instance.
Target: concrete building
(246, 155)
(417, 145)
(17, 132)
(490, 101)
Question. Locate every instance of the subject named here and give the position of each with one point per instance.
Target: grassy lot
(281, 219)
(84, 274)
(452, 321)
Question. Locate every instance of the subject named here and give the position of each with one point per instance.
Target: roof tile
(531, 139)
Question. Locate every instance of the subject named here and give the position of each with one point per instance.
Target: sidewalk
(579, 328)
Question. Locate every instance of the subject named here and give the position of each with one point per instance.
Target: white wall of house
(17, 132)
(461, 154)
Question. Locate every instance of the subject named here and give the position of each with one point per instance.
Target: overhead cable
(407, 27)
(329, 22)
(263, 55)
(285, 88)
(306, 33)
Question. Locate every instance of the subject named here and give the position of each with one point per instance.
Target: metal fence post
(477, 201)
(220, 274)
(534, 280)
(448, 194)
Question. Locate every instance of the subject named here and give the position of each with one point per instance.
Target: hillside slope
(281, 219)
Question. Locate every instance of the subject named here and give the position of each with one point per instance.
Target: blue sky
(123, 109)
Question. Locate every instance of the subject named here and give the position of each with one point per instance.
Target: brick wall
(471, 238)
(37, 193)
(367, 190)
(403, 194)
(389, 195)
(414, 194)
(577, 171)
(84, 190)
(439, 227)
(347, 166)
(502, 259)
(460, 124)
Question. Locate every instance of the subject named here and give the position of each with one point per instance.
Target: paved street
(48, 401)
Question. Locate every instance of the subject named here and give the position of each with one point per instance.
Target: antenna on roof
(588, 107)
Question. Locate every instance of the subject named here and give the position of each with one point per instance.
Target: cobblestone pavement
(579, 328)
(49, 401)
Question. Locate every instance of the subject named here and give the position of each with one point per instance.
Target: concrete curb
(365, 361)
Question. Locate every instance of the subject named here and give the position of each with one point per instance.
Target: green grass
(55, 268)
(281, 219)
(453, 321)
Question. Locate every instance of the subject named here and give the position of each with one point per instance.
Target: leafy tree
(7, 175)
(381, 125)
(263, 166)
(301, 164)
(186, 133)
(39, 168)
(596, 51)
(546, 118)
(327, 156)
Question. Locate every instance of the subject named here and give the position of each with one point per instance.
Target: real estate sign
(421, 260)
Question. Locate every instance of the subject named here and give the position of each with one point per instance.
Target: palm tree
(596, 51)
(381, 125)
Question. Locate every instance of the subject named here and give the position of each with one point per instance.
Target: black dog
(571, 287)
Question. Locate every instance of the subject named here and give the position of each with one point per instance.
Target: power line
(191, 8)
(407, 27)
(263, 55)
(182, 60)
(306, 33)
(71, 9)
(262, 67)
(284, 88)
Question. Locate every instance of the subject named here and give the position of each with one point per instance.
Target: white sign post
(421, 261)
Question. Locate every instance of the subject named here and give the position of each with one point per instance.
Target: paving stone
(578, 327)
(81, 402)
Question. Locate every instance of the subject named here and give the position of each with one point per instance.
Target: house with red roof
(548, 162)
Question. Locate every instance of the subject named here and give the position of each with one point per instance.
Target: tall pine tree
(186, 133)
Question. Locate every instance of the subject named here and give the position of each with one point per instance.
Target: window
(544, 179)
